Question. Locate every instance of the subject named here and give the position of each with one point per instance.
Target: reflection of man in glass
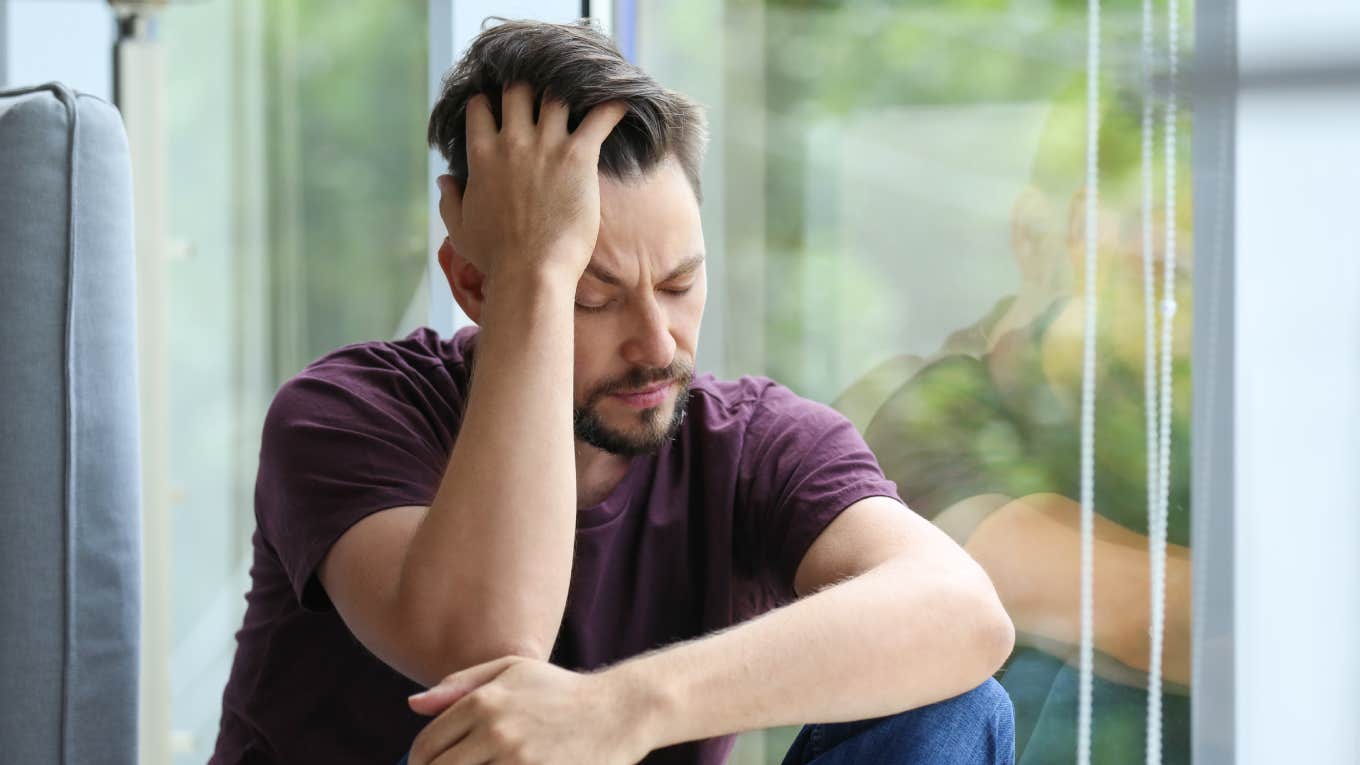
(984, 439)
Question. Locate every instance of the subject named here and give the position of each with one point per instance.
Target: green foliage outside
(346, 118)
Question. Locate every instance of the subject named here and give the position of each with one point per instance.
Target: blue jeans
(976, 728)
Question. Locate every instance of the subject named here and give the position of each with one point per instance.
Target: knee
(988, 701)
(974, 727)
(984, 712)
(987, 704)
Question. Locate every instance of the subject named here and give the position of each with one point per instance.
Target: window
(895, 208)
(296, 181)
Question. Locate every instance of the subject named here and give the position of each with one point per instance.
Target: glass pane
(296, 211)
(347, 170)
(895, 194)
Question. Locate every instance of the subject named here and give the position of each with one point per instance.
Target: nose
(649, 342)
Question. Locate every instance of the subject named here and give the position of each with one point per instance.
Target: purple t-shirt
(705, 533)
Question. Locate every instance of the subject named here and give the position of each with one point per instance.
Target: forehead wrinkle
(687, 266)
(642, 221)
(603, 274)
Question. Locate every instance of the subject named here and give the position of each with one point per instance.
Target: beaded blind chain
(1157, 387)
(1159, 402)
(1088, 384)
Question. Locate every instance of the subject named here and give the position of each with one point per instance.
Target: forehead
(653, 218)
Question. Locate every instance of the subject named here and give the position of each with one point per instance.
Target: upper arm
(361, 576)
(332, 453)
(869, 532)
(348, 465)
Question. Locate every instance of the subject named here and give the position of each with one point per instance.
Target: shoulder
(727, 397)
(421, 374)
(739, 398)
(415, 354)
(756, 405)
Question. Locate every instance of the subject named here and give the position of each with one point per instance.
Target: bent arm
(488, 565)
(922, 626)
(484, 571)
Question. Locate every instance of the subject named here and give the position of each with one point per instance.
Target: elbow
(441, 649)
(525, 649)
(435, 629)
(436, 645)
(993, 635)
(444, 661)
(998, 639)
(985, 635)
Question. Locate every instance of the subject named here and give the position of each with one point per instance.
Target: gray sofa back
(69, 480)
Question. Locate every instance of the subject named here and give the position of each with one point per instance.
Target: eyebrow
(689, 265)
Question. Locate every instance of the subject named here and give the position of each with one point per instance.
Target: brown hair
(578, 65)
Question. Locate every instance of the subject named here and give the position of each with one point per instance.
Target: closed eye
(604, 306)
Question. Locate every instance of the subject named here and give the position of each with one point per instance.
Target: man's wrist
(522, 298)
(531, 281)
(643, 701)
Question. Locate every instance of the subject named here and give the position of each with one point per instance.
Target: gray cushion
(69, 483)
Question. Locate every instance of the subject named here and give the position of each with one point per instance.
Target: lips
(645, 391)
(647, 397)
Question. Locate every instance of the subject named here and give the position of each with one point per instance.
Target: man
(551, 522)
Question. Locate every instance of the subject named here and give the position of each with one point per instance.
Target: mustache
(641, 377)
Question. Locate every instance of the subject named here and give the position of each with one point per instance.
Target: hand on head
(531, 201)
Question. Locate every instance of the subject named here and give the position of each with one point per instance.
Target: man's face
(638, 308)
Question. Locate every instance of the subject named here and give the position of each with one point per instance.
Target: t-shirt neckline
(619, 499)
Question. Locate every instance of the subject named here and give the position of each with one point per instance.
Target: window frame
(1280, 565)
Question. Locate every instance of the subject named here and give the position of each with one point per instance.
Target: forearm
(488, 570)
(902, 635)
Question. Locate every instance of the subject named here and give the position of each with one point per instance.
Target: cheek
(689, 314)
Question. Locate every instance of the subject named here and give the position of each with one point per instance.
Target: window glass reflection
(900, 221)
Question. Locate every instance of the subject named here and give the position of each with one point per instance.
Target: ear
(466, 282)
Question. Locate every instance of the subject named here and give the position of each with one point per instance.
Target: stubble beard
(658, 424)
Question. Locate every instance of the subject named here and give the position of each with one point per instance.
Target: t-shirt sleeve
(336, 448)
(802, 464)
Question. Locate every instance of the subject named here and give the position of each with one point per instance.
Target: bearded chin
(657, 426)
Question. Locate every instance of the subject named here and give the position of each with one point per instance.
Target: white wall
(66, 40)
(1298, 382)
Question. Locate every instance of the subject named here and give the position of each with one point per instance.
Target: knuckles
(516, 144)
(503, 737)
(484, 701)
